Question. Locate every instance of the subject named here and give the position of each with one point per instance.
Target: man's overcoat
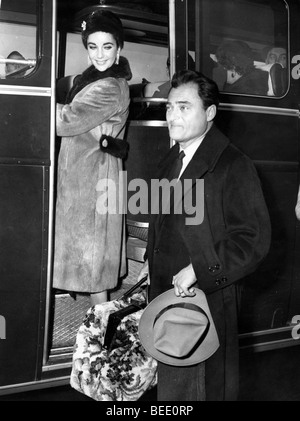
(229, 244)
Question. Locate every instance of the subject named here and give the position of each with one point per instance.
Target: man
(277, 55)
(213, 255)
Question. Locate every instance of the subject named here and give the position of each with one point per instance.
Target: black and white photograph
(150, 203)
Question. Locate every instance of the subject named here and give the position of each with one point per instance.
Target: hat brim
(207, 347)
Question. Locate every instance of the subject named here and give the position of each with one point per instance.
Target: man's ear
(211, 112)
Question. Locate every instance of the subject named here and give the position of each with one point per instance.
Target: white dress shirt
(189, 152)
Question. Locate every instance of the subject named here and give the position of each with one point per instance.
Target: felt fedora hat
(178, 331)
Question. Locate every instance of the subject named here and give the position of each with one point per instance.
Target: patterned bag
(122, 370)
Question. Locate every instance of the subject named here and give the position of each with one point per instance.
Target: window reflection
(242, 76)
(261, 27)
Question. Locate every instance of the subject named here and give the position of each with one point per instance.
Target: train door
(146, 48)
(265, 125)
(39, 324)
(26, 72)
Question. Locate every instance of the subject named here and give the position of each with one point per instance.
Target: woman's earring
(118, 58)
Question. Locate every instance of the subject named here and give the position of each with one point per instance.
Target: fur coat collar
(91, 74)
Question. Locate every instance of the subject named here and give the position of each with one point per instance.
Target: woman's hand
(107, 129)
(183, 282)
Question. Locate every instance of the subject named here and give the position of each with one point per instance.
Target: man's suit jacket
(229, 244)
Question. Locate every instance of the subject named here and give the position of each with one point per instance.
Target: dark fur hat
(104, 21)
(236, 55)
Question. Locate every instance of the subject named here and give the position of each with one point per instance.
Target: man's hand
(183, 282)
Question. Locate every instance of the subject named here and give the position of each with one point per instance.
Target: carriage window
(243, 45)
(18, 34)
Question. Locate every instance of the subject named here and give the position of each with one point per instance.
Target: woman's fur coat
(89, 240)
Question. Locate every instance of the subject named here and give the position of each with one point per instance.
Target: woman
(242, 77)
(89, 242)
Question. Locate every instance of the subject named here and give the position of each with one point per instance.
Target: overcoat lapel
(204, 160)
(207, 155)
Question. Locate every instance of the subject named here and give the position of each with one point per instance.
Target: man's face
(277, 55)
(187, 120)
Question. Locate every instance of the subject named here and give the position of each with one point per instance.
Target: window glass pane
(242, 44)
(18, 34)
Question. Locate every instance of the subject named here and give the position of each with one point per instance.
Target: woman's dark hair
(208, 90)
(103, 21)
(236, 55)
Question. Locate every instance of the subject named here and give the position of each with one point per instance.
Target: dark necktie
(176, 168)
(173, 174)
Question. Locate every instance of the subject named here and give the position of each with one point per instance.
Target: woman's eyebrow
(106, 43)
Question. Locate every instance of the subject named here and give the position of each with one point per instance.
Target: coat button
(217, 266)
(156, 250)
(211, 269)
(218, 282)
(224, 280)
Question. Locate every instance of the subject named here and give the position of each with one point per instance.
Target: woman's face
(102, 50)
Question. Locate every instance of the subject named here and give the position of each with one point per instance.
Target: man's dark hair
(208, 90)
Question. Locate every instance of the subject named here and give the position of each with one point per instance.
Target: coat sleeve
(91, 107)
(247, 231)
